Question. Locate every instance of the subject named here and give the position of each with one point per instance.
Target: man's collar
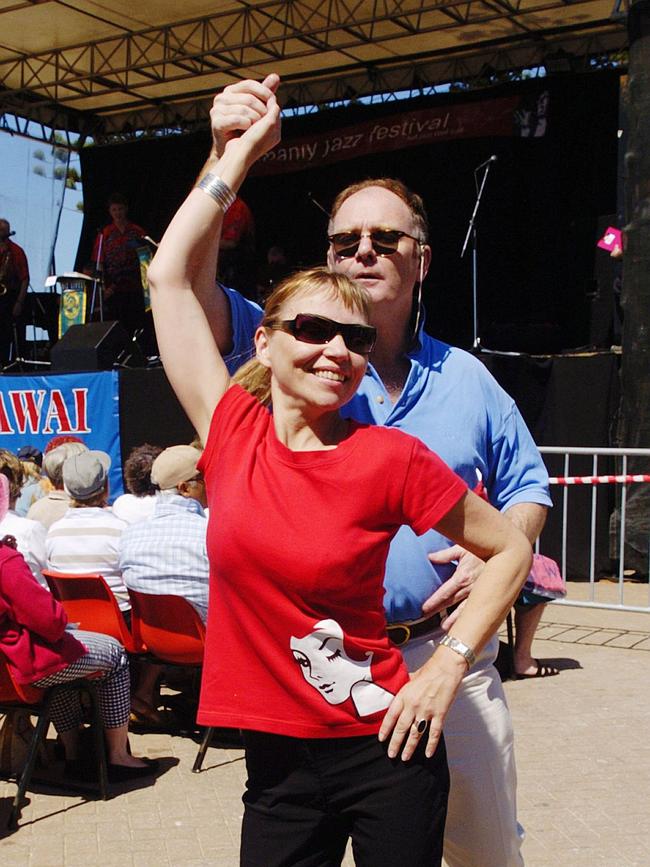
(179, 501)
(416, 343)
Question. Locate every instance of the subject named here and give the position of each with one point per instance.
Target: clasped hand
(248, 112)
(455, 589)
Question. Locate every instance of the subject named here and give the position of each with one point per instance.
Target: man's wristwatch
(458, 646)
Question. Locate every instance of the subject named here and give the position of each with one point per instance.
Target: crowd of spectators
(152, 538)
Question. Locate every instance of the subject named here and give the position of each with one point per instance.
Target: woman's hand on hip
(420, 707)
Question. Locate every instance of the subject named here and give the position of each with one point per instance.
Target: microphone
(492, 159)
(10, 234)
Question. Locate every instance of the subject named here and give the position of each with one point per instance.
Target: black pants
(10, 328)
(305, 797)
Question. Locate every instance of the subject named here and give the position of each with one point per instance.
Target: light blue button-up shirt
(166, 554)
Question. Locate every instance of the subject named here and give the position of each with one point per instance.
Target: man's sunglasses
(384, 241)
(308, 328)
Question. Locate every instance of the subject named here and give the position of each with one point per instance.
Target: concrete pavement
(583, 756)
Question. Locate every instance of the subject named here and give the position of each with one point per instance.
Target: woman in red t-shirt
(303, 506)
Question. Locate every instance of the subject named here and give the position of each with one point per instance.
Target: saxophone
(4, 268)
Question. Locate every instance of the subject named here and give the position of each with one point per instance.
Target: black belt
(401, 633)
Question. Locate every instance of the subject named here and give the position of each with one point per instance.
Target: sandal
(542, 671)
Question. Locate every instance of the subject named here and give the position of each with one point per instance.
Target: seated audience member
(29, 535)
(166, 554)
(87, 538)
(139, 502)
(42, 652)
(55, 504)
(35, 486)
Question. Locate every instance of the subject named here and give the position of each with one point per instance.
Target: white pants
(482, 828)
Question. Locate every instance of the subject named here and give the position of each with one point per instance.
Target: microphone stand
(97, 280)
(471, 232)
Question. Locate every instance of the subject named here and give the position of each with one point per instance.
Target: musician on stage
(14, 280)
(116, 256)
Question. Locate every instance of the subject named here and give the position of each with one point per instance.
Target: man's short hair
(413, 202)
(117, 199)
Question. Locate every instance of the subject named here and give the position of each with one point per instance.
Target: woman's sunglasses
(308, 328)
(384, 241)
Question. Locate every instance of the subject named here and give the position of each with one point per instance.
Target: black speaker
(94, 346)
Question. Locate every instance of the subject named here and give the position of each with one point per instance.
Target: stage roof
(114, 67)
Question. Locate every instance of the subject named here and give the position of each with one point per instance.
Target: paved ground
(583, 756)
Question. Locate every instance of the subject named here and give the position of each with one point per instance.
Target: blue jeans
(306, 796)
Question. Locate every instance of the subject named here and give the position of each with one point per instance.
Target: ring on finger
(420, 726)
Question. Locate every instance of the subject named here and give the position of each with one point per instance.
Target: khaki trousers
(482, 828)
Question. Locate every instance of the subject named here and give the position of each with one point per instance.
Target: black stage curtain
(537, 225)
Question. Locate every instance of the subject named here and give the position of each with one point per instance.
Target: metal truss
(304, 97)
(201, 55)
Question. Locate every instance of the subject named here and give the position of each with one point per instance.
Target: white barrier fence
(601, 483)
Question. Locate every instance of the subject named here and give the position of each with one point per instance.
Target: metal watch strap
(459, 647)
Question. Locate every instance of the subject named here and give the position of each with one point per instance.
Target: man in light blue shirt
(448, 399)
(166, 554)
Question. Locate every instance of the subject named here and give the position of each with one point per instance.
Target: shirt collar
(171, 502)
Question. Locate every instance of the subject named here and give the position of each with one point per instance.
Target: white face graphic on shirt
(325, 665)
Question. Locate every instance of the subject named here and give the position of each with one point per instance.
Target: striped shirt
(87, 540)
(166, 554)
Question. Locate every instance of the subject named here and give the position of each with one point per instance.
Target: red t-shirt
(297, 541)
(17, 270)
(119, 256)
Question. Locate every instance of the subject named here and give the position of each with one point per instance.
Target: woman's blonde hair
(254, 376)
(32, 471)
(12, 467)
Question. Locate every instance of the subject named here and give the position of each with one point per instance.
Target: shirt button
(380, 398)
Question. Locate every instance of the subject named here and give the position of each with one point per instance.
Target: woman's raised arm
(183, 272)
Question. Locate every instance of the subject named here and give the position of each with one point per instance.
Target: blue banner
(34, 409)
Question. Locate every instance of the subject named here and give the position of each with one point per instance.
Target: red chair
(171, 630)
(89, 601)
(14, 696)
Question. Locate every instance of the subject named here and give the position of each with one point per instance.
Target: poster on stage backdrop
(34, 409)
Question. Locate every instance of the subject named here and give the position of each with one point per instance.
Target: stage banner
(145, 257)
(34, 409)
(523, 115)
(73, 308)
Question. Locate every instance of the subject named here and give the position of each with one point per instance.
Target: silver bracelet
(218, 189)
